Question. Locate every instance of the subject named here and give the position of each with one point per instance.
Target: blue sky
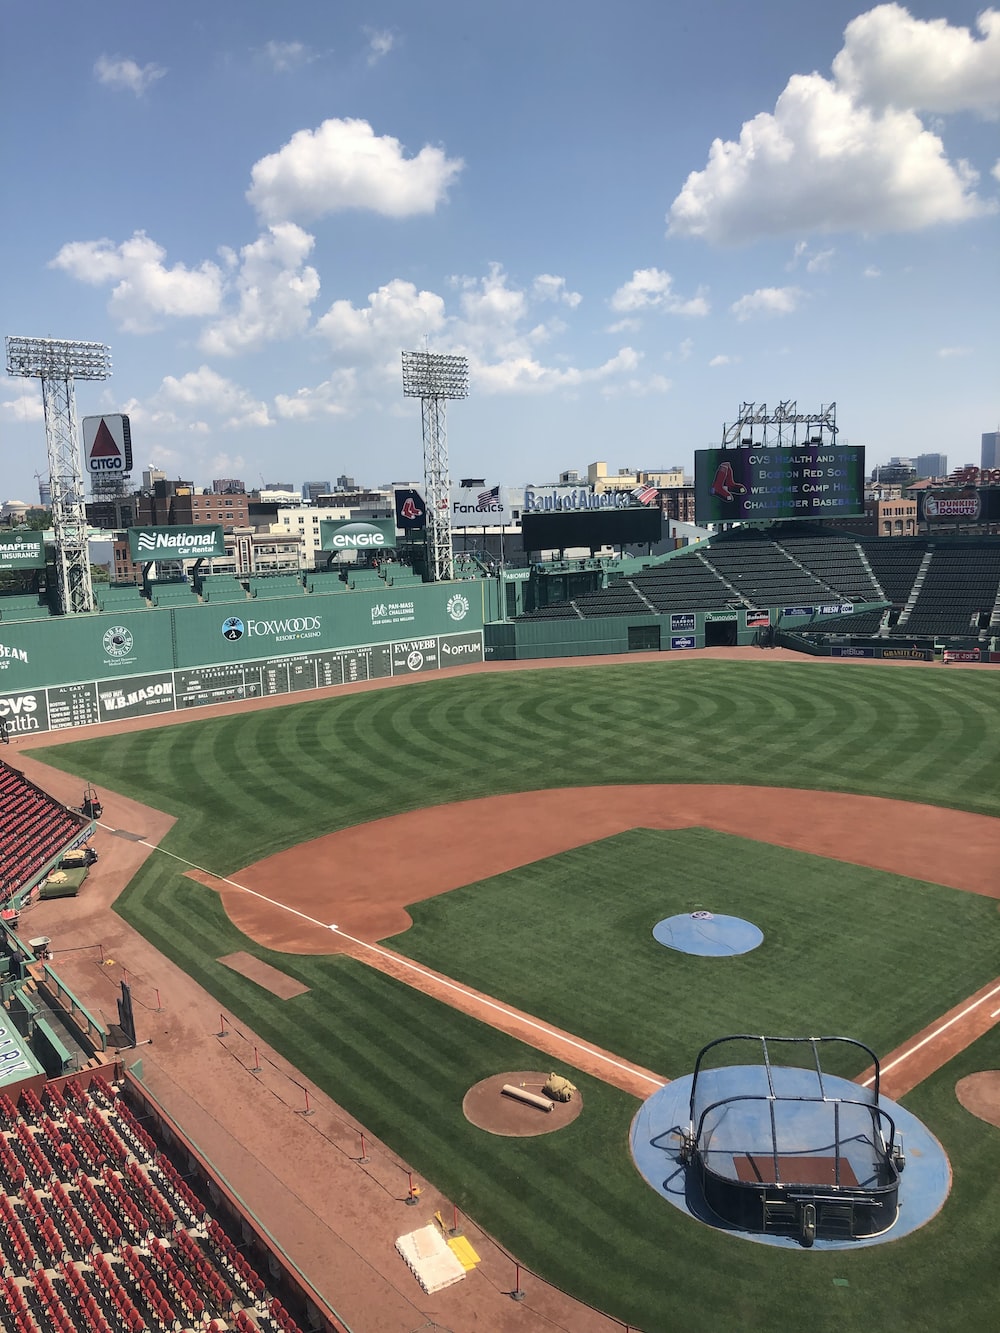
(630, 218)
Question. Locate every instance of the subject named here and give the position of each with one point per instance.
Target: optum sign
(357, 535)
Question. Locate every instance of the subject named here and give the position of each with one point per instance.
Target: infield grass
(571, 1205)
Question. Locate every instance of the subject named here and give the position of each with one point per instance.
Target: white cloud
(380, 43)
(890, 58)
(652, 289)
(627, 325)
(335, 397)
(396, 316)
(872, 271)
(947, 352)
(820, 261)
(767, 301)
(494, 324)
(286, 56)
(27, 406)
(276, 291)
(721, 360)
(637, 388)
(995, 172)
(343, 165)
(205, 389)
(547, 287)
(144, 289)
(126, 75)
(851, 153)
(822, 163)
(524, 374)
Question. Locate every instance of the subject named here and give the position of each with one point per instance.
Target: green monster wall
(75, 671)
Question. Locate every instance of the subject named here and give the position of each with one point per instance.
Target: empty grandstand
(35, 830)
(828, 583)
(112, 1221)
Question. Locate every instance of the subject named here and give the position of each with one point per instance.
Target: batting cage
(780, 1145)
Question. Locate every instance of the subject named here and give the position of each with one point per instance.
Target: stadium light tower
(434, 378)
(58, 363)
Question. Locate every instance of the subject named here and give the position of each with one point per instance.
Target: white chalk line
(932, 1036)
(436, 978)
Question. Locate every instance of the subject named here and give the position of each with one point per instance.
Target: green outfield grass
(847, 950)
(570, 1205)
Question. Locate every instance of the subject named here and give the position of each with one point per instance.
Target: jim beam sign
(107, 445)
(181, 542)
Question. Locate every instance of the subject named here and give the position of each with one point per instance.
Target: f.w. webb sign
(183, 542)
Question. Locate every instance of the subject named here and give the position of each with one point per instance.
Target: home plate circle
(708, 934)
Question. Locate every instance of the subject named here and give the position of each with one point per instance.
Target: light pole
(58, 363)
(434, 378)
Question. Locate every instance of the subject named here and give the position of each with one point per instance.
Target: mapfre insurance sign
(107, 445)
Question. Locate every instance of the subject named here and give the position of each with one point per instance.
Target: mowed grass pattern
(847, 950)
(571, 1205)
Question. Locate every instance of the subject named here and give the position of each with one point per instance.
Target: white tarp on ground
(427, 1255)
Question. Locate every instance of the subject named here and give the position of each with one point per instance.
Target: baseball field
(870, 946)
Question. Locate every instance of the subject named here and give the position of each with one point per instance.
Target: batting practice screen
(814, 480)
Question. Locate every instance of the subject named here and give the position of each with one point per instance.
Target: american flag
(645, 494)
(485, 497)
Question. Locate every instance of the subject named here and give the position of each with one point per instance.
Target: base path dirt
(334, 880)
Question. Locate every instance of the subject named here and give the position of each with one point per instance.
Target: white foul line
(436, 978)
(931, 1036)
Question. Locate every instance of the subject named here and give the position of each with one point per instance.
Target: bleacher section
(277, 585)
(34, 829)
(838, 564)
(171, 592)
(23, 606)
(763, 575)
(222, 588)
(934, 588)
(101, 1233)
(896, 563)
(325, 581)
(959, 585)
(683, 584)
(119, 597)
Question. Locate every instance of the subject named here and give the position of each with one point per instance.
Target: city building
(931, 465)
(173, 502)
(626, 480)
(312, 490)
(990, 450)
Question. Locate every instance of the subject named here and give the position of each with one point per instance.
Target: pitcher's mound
(487, 1107)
